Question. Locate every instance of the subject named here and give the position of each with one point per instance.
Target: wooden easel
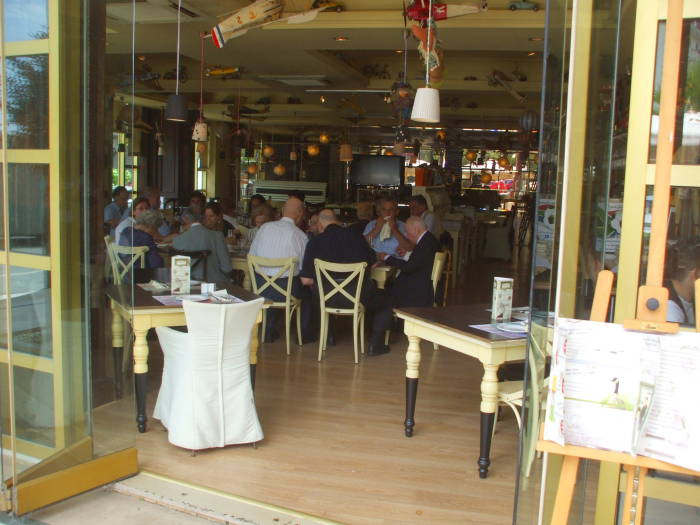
(652, 298)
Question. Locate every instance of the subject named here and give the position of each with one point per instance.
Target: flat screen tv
(376, 170)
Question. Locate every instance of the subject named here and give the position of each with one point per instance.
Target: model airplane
(261, 13)
(419, 10)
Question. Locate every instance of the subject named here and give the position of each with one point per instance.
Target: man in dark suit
(413, 286)
(339, 245)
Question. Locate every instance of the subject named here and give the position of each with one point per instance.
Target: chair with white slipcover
(206, 398)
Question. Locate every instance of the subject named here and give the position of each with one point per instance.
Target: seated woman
(261, 215)
(682, 270)
(213, 218)
(141, 234)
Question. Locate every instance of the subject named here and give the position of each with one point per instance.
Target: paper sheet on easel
(599, 371)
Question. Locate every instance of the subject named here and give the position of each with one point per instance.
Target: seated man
(419, 208)
(413, 286)
(139, 206)
(339, 245)
(279, 240)
(198, 238)
(114, 210)
(153, 195)
(392, 238)
(682, 269)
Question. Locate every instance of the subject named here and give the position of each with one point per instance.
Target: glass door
(44, 271)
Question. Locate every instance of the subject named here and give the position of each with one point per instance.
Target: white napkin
(385, 233)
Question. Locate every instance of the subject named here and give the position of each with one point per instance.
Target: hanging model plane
(261, 13)
(419, 10)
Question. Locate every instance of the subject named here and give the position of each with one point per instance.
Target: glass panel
(2, 211)
(686, 149)
(682, 253)
(34, 406)
(27, 102)
(29, 208)
(31, 311)
(26, 20)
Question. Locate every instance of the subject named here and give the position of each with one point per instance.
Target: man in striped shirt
(279, 240)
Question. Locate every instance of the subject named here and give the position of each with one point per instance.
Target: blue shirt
(133, 237)
(112, 211)
(389, 245)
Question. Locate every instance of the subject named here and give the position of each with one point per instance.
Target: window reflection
(27, 102)
(25, 20)
(29, 208)
(686, 149)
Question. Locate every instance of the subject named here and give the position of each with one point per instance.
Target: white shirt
(278, 240)
(676, 314)
(127, 222)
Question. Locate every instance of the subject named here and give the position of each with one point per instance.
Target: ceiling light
(399, 51)
(341, 38)
(322, 99)
(531, 54)
(535, 39)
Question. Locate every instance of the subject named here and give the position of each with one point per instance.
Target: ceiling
(474, 46)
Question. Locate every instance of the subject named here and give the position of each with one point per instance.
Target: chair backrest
(122, 266)
(197, 257)
(283, 266)
(354, 272)
(438, 265)
(220, 334)
(110, 255)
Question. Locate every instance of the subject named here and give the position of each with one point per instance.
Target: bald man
(413, 286)
(279, 240)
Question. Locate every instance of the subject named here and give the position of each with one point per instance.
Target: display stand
(652, 299)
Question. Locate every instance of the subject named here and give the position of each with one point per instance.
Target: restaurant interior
(334, 103)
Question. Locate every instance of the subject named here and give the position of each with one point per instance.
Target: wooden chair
(290, 304)
(435, 274)
(197, 258)
(120, 267)
(327, 278)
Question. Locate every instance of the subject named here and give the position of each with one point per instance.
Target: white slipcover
(206, 399)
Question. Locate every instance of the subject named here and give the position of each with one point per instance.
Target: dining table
(140, 308)
(452, 327)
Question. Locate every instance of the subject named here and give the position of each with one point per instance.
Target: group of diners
(378, 237)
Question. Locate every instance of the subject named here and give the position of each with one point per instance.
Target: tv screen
(376, 170)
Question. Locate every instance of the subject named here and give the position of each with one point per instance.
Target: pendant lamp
(176, 108)
(426, 105)
(345, 153)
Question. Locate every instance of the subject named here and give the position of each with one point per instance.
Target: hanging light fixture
(345, 153)
(323, 138)
(200, 133)
(313, 150)
(279, 169)
(426, 106)
(176, 109)
(268, 151)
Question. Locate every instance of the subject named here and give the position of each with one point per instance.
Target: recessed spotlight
(399, 51)
(341, 38)
(531, 54)
(322, 99)
(535, 39)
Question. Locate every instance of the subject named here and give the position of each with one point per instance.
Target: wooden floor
(334, 444)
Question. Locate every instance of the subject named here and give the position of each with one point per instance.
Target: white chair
(336, 286)
(290, 304)
(121, 267)
(206, 399)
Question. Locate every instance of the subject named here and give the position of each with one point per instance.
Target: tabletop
(127, 294)
(456, 318)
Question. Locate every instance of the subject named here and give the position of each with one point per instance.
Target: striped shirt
(279, 240)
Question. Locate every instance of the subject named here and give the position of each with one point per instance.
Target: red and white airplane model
(261, 13)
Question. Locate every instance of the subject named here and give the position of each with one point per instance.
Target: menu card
(625, 391)
(180, 274)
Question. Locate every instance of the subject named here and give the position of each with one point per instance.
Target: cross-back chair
(332, 285)
(290, 305)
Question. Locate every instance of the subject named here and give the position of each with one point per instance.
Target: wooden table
(449, 327)
(138, 307)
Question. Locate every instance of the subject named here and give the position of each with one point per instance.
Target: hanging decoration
(268, 151)
(200, 133)
(252, 169)
(279, 169)
(313, 150)
(471, 155)
(324, 138)
(503, 162)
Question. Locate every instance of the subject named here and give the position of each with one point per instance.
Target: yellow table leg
(117, 349)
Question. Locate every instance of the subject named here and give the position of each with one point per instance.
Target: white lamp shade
(426, 106)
